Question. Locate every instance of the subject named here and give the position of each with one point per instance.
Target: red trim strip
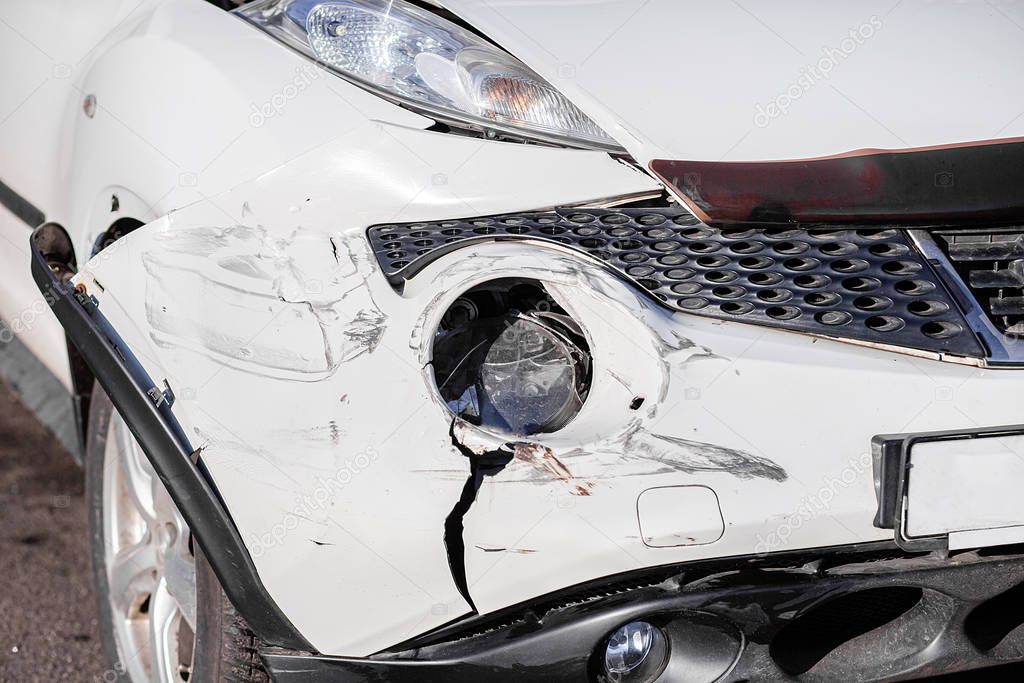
(962, 183)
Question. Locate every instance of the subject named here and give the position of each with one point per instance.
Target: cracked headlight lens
(429, 64)
(506, 358)
(529, 377)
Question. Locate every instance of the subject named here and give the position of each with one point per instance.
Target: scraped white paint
(246, 275)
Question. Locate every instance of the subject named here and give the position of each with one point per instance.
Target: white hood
(755, 80)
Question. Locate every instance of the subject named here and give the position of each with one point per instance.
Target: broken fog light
(508, 358)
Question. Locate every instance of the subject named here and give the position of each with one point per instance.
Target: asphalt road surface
(48, 619)
(48, 627)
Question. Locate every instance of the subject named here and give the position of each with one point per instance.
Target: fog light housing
(507, 357)
(636, 652)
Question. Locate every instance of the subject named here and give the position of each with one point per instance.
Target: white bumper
(303, 375)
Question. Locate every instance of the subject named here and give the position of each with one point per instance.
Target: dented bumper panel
(373, 516)
(146, 408)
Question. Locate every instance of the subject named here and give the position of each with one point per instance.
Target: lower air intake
(813, 635)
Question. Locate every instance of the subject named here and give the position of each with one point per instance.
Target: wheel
(163, 614)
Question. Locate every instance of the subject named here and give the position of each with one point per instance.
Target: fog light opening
(635, 653)
(507, 357)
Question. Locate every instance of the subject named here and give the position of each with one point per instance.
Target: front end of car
(486, 393)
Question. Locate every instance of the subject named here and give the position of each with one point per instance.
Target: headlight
(506, 357)
(429, 64)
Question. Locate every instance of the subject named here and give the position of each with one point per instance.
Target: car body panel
(305, 377)
(765, 80)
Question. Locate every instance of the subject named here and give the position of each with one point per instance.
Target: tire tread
(241, 655)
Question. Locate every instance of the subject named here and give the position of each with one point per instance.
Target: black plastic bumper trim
(722, 617)
(891, 455)
(146, 409)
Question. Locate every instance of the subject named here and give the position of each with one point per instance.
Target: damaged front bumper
(821, 615)
(372, 516)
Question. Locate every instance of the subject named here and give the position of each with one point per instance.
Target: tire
(226, 650)
(220, 647)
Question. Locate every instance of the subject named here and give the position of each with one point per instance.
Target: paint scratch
(544, 459)
(676, 454)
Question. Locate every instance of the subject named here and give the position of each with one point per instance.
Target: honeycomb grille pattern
(863, 284)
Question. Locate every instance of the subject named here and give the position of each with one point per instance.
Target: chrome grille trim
(1003, 350)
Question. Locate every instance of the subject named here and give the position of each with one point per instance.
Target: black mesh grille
(991, 262)
(863, 284)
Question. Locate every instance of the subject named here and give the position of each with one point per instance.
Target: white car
(462, 340)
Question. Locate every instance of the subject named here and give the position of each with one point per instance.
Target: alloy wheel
(149, 563)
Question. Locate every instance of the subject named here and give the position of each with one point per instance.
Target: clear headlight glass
(508, 358)
(429, 64)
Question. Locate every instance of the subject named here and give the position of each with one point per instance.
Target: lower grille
(991, 263)
(867, 613)
(806, 640)
(869, 285)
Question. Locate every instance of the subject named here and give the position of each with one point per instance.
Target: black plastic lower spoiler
(146, 409)
(741, 618)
